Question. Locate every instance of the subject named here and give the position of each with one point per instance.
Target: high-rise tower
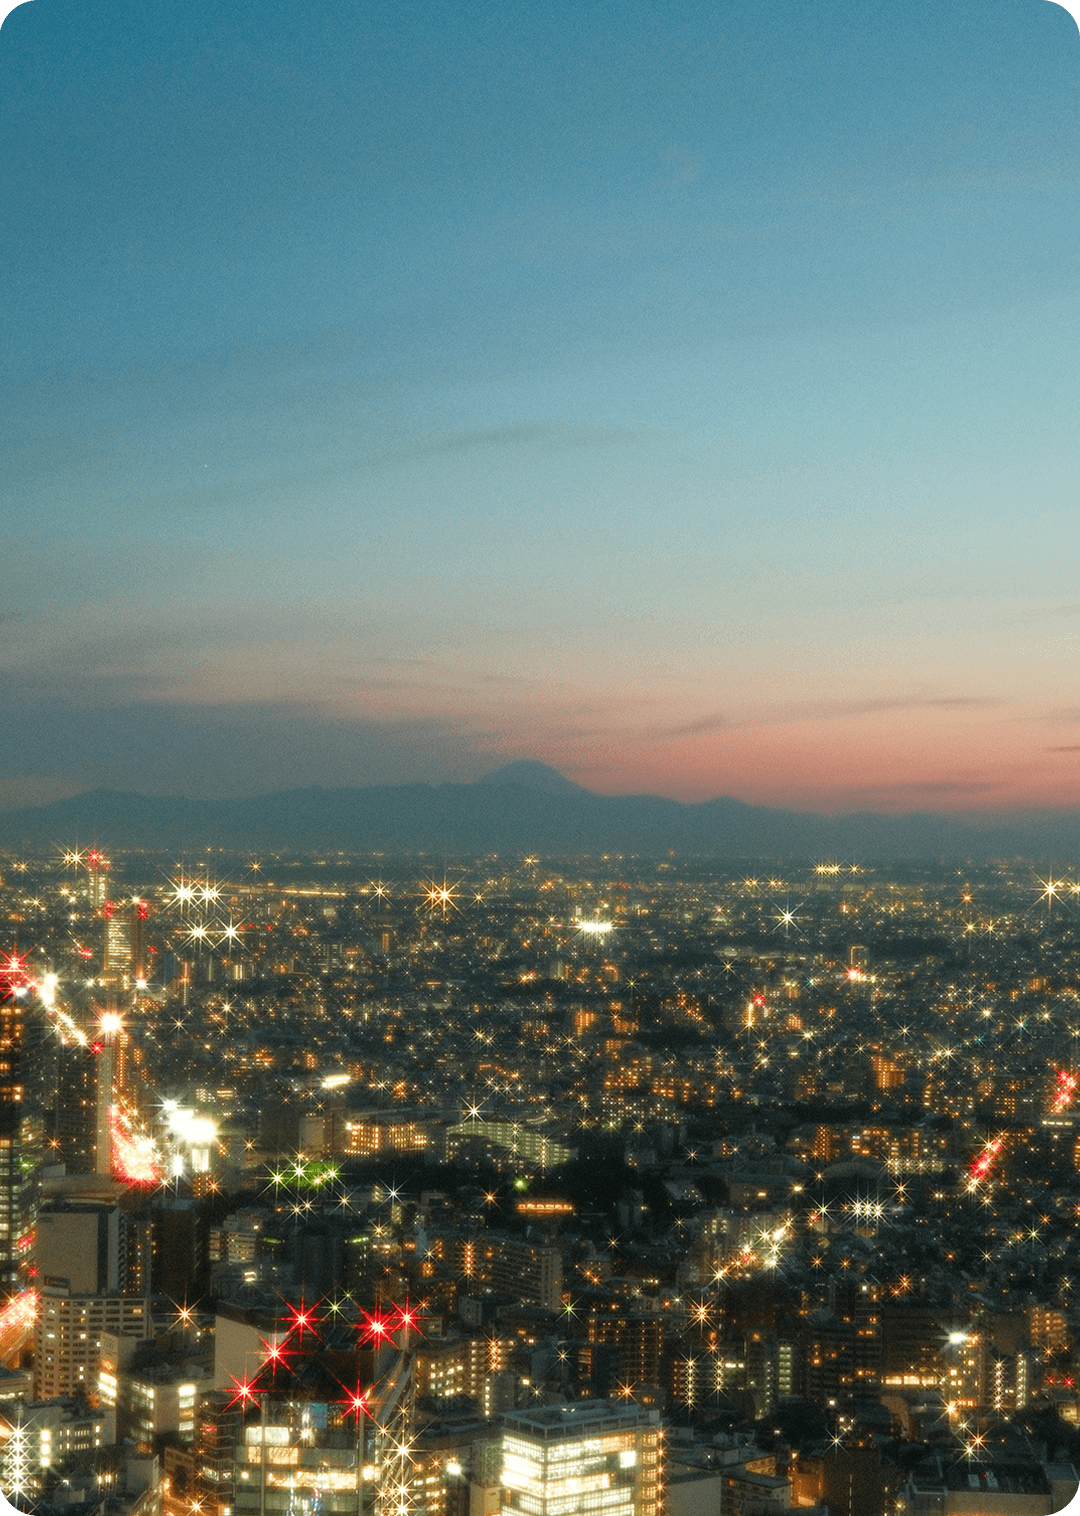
(124, 960)
(21, 1133)
(97, 878)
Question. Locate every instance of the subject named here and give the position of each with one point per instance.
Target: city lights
(540, 818)
(725, 1105)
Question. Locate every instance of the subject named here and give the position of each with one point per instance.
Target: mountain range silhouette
(528, 807)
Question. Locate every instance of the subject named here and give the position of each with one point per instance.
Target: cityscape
(372, 1184)
(540, 810)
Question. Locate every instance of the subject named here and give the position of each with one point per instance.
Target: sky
(684, 396)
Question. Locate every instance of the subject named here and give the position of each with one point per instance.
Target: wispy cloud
(829, 710)
(930, 787)
(545, 436)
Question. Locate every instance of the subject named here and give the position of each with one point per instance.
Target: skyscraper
(71, 1105)
(97, 878)
(21, 1136)
(124, 960)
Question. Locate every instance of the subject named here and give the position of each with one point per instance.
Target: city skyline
(684, 402)
(336, 1183)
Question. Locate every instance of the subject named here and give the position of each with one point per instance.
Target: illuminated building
(911, 1336)
(158, 1400)
(315, 1432)
(366, 1139)
(888, 1075)
(548, 1214)
(42, 1434)
(1010, 1379)
(965, 1379)
(454, 1470)
(689, 1377)
(771, 1370)
(448, 1367)
(115, 1354)
(528, 1271)
(639, 1337)
(189, 1141)
(238, 1238)
(124, 961)
(1048, 1329)
(103, 1090)
(217, 1433)
(97, 879)
(841, 1357)
(71, 1112)
(904, 1147)
(590, 1456)
(21, 1139)
(531, 1272)
(703, 1365)
(67, 1338)
(299, 1455)
(511, 1139)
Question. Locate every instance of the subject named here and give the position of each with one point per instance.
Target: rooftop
(579, 1419)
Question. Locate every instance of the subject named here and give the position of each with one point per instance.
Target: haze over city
(686, 400)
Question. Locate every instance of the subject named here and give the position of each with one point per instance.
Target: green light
(305, 1174)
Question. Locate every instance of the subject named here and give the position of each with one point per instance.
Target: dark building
(70, 1107)
(91, 1248)
(21, 1133)
(180, 1267)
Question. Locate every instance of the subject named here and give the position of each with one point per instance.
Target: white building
(592, 1456)
(161, 1399)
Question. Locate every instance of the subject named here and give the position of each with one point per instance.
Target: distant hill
(527, 807)
(531, 775)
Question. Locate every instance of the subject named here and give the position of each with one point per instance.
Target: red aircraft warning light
(356, 1404)
(982, 1164)
(376, 1327)
(302, 1318)
(1064, 1091)
(245, 1392)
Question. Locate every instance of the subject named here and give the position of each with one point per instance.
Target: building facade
(68, 1333)
(585, 1457)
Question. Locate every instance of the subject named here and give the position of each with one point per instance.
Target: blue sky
(684, 397)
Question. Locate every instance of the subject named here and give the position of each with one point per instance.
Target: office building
(79, 1248)
(589, 1456)
(68, 1333)
(159, 1399)
(21, 1137)
(124, 961)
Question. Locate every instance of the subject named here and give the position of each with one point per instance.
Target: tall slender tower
(124, 959)
(103, 1101)
(21, 1132)
(97, 878)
